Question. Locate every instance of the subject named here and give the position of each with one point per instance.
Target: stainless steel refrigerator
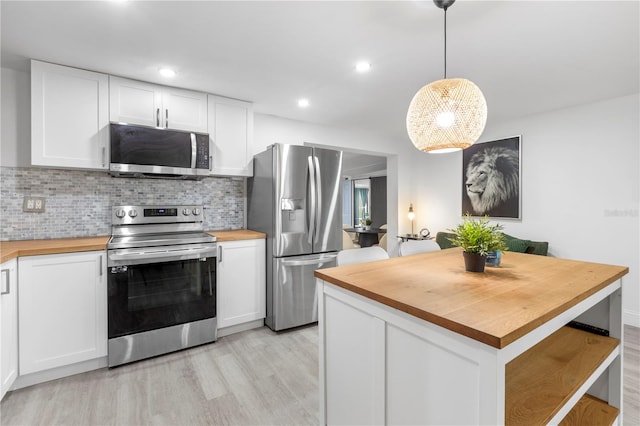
(295, 198)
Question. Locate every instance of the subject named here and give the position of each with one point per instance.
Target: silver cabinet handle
(211, 163)
(100, 266)
(220, 254)
(104, 156)
(6, 283)
(166, 118)
(157, 117)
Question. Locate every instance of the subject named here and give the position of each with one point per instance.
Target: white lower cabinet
(241, 282)
(62, 310)
(9, 325)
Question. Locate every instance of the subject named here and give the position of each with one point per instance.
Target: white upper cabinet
(231, 133)
(137, 102)
(69, 117)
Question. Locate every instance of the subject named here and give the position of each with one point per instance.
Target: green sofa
(513, 244)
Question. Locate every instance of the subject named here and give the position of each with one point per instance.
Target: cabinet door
(135, 102)
(62, 310)
(231, 133)
(69, 117)
(184, 110)
(241, 282)
(9, 325)
(146, 104)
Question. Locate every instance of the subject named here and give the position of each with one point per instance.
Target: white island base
(380, 365)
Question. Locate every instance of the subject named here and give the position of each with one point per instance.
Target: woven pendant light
(448, 114)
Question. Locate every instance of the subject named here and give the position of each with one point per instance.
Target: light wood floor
(256, 377)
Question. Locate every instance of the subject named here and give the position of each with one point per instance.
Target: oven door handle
(169, 255)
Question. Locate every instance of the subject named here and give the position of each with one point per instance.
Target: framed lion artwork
(491, 179)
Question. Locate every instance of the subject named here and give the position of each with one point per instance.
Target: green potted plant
(477, 237)
(367, 223)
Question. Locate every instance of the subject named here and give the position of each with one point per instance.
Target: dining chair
(347, 242)
(417, 246)
(366, 254)
(381, 234)
(383, 241)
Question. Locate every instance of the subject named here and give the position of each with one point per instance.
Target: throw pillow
(516, 244)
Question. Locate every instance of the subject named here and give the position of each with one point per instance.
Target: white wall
(580, 186)
(15, 122)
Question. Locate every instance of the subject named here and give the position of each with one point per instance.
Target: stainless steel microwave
(138, 151)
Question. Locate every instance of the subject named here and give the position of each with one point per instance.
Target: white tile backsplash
(78, 203)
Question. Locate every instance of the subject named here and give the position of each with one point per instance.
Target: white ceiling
(526, 56)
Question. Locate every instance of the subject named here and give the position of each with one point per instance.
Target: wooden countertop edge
(13, 249)
(486, 338)
(237, 235)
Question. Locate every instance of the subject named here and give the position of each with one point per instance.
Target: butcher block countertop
(237, 235)
(495, 307)
(13, 249)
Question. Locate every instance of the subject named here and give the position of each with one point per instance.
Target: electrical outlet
(33, 204)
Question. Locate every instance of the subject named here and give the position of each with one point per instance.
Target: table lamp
(411, 216)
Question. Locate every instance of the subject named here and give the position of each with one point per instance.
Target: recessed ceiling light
(303, 103)
(363, 66)
(167, 72)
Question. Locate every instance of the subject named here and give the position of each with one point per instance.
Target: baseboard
(58, 373)
(240, 327)
(631, 318)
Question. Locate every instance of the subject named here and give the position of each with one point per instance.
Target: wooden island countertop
(495, 307)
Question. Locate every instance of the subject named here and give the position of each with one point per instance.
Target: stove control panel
(141, 215)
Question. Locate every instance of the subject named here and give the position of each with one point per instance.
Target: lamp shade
(411, 215)
(446, 115)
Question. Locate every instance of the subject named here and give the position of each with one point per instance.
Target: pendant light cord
(445, 43)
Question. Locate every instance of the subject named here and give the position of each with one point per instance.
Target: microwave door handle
(194, 150)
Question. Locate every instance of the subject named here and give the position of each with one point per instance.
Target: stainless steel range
(161, 281)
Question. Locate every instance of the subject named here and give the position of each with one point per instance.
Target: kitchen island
(417, 340)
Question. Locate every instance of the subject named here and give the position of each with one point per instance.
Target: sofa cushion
(538, 247)
(512, 243)
(516, 244)
(442, 238)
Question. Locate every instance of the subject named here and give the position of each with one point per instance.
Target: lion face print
(492, 179)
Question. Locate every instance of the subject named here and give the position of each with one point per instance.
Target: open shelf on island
(540, 381)
(591, 411)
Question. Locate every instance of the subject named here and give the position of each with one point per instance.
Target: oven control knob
(133, 213)
(196, 212)
(120, 213)
(186, 212)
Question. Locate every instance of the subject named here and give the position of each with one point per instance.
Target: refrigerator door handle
(312, 196)
(318, 190)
